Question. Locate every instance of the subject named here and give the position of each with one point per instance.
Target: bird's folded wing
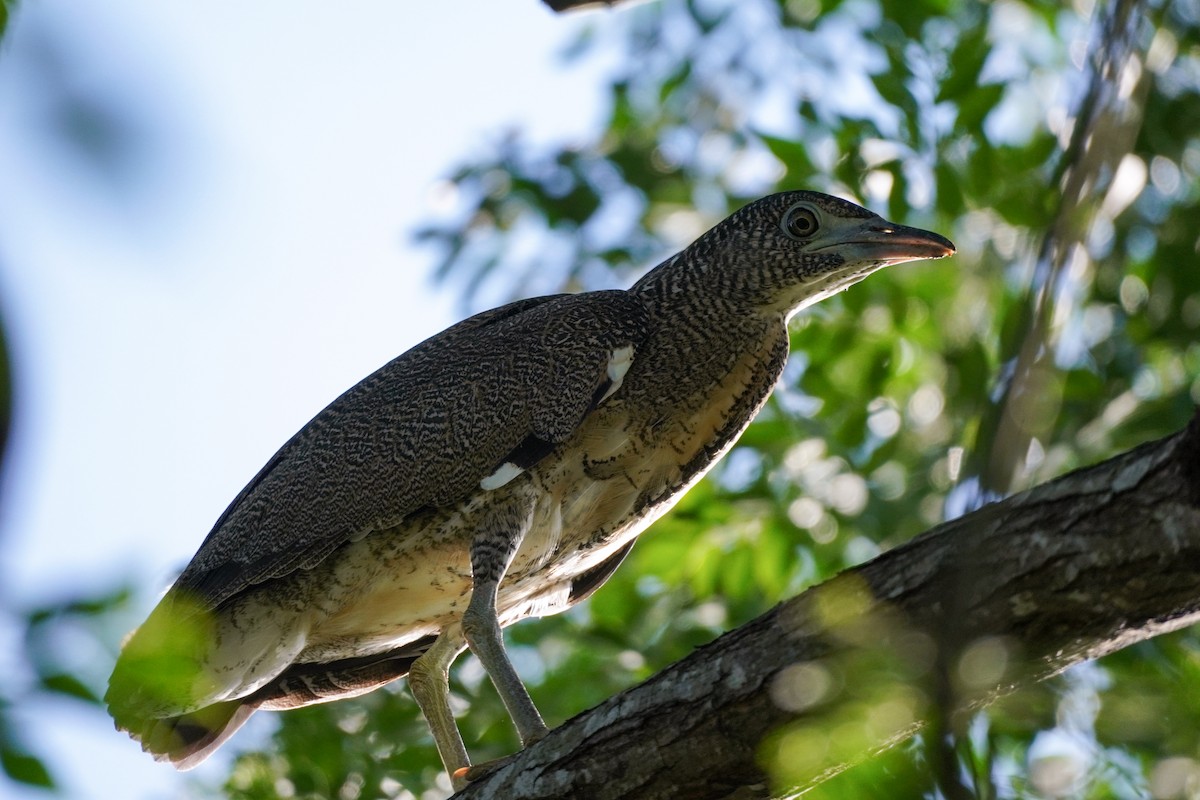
(501, 388)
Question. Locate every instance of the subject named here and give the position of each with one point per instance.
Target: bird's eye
(800, 222)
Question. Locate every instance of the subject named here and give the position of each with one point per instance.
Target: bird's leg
(429, 680)
(491, 553)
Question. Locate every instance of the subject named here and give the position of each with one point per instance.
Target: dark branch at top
(560, 6)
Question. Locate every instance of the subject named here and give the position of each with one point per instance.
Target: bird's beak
(877, 240)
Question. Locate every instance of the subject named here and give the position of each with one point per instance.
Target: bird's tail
(161, 693)
(188, 739)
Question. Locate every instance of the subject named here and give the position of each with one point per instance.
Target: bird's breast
(637, 454)
(629, 461)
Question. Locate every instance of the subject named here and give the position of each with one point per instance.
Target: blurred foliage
(67, 653)
(1069, 184)
(951, 114)
(956, 115)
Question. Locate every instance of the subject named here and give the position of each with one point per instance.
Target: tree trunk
(1011, 594)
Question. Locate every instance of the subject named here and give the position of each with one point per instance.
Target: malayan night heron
(499, 470)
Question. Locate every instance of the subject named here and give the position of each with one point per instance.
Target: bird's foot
(474, 772)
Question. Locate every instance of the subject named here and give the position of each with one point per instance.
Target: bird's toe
(465, 775)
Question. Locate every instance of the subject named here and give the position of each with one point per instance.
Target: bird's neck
(695, 323)
(685, 286)
(667, 284)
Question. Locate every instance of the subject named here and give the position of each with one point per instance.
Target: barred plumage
(499, 470)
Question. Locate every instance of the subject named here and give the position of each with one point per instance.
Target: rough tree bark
(1071, 570)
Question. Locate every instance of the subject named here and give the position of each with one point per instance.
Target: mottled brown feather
(388, 477)
(419, 432)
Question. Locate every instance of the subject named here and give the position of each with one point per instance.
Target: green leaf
(794, 156)
(62, 683)
(950, 197)
(893, 88)
(978, 104)
(965, 63)
(83, 607)
(25, 768)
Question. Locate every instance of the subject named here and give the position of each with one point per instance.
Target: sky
(206, 216)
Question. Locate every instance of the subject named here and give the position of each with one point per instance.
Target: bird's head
(792, 249)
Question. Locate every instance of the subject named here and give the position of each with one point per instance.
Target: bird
(501, 469)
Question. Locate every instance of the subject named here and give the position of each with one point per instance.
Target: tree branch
(559, 6)
(1071, 570)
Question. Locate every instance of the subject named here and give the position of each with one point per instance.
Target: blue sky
(172, 321)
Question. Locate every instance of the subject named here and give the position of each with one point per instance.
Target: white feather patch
(618, 364)
(505, 473)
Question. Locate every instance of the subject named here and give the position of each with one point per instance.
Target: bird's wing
(486, 397)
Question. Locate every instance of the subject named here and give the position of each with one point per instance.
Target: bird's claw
(474, 772)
